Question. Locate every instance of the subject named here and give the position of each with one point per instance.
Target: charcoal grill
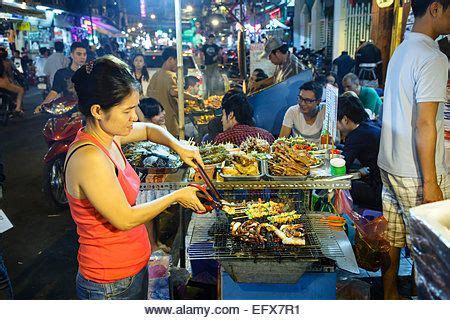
(269, 262)
(209, 239)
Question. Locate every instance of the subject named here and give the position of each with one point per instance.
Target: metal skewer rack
(309, 184)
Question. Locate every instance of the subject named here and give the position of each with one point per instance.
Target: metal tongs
(208, 194)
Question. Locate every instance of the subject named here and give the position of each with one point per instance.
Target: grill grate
(211, 239)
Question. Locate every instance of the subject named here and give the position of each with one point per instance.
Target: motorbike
(59, 132)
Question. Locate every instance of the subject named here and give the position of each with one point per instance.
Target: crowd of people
(396, 143)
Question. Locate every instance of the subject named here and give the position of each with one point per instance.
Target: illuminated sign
(143, 9)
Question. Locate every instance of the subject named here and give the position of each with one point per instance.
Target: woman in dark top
(140, 73)
(362, 143)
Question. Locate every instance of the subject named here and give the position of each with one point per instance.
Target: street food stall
(262, 234)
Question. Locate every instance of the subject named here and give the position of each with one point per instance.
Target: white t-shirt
(295, 120)
(417, 72)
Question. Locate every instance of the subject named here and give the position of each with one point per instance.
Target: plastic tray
(262, 170)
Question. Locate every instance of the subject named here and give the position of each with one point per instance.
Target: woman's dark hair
(144, 71)
(150, 107)
(237, 103)
(313, 86)
(419, 7)
(107, 84)
(260, 74)
(352, 108)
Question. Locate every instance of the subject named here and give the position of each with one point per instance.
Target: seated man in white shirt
(306, 118)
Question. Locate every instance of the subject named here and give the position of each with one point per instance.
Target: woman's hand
(187, 197)
(188, 154)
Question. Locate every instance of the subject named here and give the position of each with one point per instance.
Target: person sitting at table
(362, 143)
(306, 118)
(368, 96)
(150, 110)
(257, 75)
(215, 126)
(237, 121)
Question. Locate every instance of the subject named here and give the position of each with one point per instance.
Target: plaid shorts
(399, 195)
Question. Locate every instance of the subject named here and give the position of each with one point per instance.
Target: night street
(40, 251)
(221, 158)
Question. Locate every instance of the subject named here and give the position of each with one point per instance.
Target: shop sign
(23, 26)
(384, 3)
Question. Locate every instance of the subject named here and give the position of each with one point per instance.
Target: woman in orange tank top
(102, 187)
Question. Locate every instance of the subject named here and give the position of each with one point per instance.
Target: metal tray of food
(284, 178)
(262, 167)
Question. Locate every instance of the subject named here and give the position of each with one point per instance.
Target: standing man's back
(411, 157)
(417, 73)
(56, 61)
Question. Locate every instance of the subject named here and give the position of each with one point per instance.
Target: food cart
(266, 269)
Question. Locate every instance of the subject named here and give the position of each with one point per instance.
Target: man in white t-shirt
(306, 118)
(411, 156)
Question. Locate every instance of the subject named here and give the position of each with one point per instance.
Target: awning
(21, 9)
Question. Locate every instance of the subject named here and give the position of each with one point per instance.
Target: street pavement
(40, 251)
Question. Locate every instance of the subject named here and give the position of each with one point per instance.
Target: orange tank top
(107, 254)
